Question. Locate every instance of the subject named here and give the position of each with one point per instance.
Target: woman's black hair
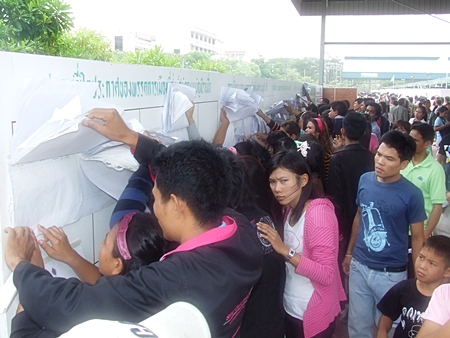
(384, 108)
(324, 136)
(295, 163)
(365, 139)
(424, 111)
(241, 196)
(329, 122)
(441, 109)
(316, 159)
(284, 143)
(258, 181)
(145, 242)
(246, 148)
(312, 108)
(291, 128)
(402, 124)
(306, 117)
(273, 138)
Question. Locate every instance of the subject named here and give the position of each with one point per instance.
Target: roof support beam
(387, 43)
(322, 42)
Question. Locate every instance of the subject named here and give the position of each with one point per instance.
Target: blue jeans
(366, 288)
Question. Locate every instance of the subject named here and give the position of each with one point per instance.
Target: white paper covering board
(49, 123)
(177, 102)
(110, 169)
(237, 103)
(278, 108)
(40, 192)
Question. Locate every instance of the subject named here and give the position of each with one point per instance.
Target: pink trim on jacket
(209, 237)
(319, 262)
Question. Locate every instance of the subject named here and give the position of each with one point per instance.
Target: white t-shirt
(298, 289)
(438, 310)
(411, 120)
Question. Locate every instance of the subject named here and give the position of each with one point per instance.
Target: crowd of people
(333, 216)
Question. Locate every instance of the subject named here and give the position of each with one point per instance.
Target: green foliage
(85, 44)
(289, 69)
(151, 57)
(211, 65)
(239, 67)
(188, 60)
(34, 25)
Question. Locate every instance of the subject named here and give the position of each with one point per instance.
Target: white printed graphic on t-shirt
(413, 315)
(375, 234)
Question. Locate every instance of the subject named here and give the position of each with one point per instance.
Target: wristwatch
(290, 254)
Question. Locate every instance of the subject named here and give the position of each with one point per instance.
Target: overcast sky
(269, 28)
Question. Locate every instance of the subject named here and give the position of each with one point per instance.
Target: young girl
(133, 242)
(313, 288)
(135, 238)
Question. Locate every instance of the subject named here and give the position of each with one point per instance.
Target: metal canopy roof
(371, 7)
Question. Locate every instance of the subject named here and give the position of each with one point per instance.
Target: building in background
(405, 71)
(235, 54)
(203, 41)
(128, 41)
(184, 40)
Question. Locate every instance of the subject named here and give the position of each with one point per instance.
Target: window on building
(118, 43)
(176, 51)
(192, 34)
(214, 42)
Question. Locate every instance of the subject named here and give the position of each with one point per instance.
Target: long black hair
(145, 242)
(295, 163)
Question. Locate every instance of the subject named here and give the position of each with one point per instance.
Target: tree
(240, 67)
(211, 65)
(152, 57)
(188, 60)
(34, 24)
(85, 44)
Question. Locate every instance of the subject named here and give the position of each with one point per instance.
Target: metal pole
(322, 43)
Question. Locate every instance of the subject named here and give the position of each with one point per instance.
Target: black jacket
(216, 277)
(346, 167)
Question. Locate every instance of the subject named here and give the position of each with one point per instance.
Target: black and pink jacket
(214, 271)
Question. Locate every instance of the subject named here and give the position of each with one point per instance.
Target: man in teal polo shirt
(427, 174)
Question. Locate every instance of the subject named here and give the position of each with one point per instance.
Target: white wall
(140, 89)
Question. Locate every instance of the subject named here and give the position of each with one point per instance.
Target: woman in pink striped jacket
(313, 287)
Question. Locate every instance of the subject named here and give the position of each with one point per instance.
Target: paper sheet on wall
(110, 169)
(54, 192)
(257, 98)
(46, 192)
(237, 103)
(52, 127)
(278, 108)
(177, 102)
(93, 198)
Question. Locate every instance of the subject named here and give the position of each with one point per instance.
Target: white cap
(179, 320)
